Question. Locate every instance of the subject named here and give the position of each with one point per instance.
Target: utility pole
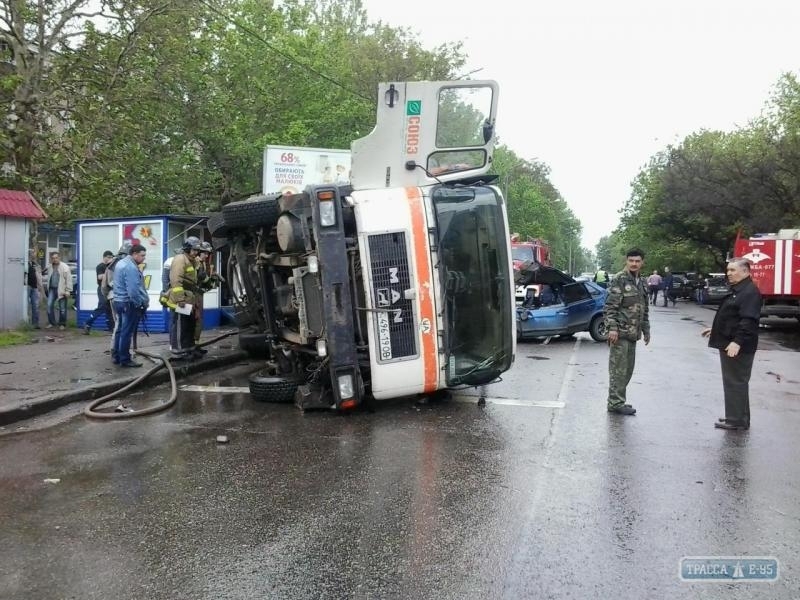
(569, 272)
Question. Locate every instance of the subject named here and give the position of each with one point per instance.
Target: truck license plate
(384, 336)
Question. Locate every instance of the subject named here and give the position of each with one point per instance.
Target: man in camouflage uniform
(628, 319)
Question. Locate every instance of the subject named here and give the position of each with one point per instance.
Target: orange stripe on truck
(419, 232)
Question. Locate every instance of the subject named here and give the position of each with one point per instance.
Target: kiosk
(163, 236)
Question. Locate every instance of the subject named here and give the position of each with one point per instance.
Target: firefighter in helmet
(206, 281)
(183, 292)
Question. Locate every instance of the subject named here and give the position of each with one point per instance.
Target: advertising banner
(289, 169)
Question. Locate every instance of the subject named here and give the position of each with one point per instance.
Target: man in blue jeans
(35, 287)
(130, 298)
(59, 287)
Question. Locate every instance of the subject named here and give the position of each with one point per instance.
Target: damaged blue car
(555, 304)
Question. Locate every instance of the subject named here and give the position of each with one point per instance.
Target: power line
(288, 57)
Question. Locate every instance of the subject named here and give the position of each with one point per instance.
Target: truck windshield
(474, 272)
(522, 253)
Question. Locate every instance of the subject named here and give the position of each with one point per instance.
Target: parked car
(682, 287)
(715, 291)
(560, 306)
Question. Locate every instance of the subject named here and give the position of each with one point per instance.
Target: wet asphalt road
(541, 494)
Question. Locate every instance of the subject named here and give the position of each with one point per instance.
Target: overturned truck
(398, 283)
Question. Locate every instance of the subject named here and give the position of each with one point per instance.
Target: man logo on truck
(413, 112)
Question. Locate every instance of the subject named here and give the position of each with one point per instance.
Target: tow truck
(398, 283)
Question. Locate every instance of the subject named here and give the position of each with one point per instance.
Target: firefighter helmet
(191, 243)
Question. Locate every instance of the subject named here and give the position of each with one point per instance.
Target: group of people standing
(55, 285)
(666, 284)
(734, 333)
(123, 299)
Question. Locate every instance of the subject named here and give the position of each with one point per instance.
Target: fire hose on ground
(163, 362)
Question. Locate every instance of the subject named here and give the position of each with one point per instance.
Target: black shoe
(625, 409)
(200, 351)
(131, 365)
(727, 420)
(731, 426)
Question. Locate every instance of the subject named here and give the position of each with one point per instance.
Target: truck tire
(255, 344)
(253, 212)
(598, 329)
(216, 225)
(268, 388)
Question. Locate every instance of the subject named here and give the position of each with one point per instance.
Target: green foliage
(689, 202)
(168, 108)
(536, 209)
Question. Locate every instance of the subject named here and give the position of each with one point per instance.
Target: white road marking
(569, 373)
(213, 389)
(471, 398)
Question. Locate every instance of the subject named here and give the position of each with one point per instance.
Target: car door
(579, 305)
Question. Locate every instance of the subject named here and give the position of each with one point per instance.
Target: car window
(717, 281)
(573, 292)
(595, 290)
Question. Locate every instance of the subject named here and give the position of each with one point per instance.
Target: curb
(40, 406)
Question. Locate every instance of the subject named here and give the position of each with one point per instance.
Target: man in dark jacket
(103, 305)
(668, 283)
(734, 333)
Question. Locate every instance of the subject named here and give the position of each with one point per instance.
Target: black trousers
(103, 308)
(736, 385)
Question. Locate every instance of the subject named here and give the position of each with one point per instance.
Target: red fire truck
(531, 249)
(775, 269)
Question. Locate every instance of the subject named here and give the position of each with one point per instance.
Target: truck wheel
(216, 225)
(598, 329)
(253, 212)
(255, 344)
(268, 388)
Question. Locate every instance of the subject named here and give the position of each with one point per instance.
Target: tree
(37, 34)
(536, 208)
(168, 107)
(693, 198)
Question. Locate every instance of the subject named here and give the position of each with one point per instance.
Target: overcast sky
(594, 88)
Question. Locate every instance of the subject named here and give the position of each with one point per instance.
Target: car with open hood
(556, 304)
